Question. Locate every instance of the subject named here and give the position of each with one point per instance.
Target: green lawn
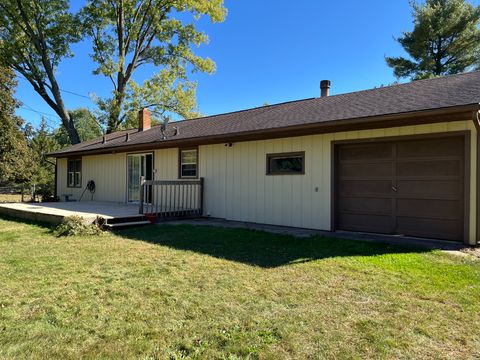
(199, 292)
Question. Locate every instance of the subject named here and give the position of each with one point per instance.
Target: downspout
(56, 178)
(476, 122)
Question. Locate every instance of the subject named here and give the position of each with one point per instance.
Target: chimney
(144, 122)
(325, 88)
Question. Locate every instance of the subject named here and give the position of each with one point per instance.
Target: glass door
(138, 165)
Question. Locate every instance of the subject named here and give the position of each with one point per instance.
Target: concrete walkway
(299, 232)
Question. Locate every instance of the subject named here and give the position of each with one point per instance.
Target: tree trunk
(71, 130)
(114, 116)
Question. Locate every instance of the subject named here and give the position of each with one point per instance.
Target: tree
(445, 40)
(127, 34)
(16, 160)
(85, 123)
(35, 35)
(43, 142)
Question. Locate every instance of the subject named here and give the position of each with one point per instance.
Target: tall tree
(85, 123)
(127, 34)
(35, 35)
(445, 40)
(16, 158)
(43, 142)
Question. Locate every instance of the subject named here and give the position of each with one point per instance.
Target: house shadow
(257, 248)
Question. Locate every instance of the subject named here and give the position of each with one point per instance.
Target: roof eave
(453, 113)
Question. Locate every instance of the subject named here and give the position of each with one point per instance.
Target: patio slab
(55, 212)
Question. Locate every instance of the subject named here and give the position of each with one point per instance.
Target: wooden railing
(171, 198)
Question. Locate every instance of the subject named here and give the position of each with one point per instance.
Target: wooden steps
(122, 225)
(126, 222)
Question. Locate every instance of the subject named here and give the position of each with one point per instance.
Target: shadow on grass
(255, 247)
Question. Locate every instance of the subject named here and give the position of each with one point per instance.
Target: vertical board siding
(236, 184)
(239, 189)
(108, 171)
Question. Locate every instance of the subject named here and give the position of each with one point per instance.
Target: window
(286, 164)
(188, 163)
(74, 173)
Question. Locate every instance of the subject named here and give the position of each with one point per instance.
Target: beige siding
(108, 171)
(237, 188)
(166, 164)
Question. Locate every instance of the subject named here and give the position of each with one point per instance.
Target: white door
(138, 165)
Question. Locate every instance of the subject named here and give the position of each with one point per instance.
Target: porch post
(201, 196)
(142, 184)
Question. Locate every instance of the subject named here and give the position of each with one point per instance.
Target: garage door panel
(450, 167)
(431, 228)
(364, 222)
(365, 187)
(429, 188)
(439, 147)
(428, 208)
(410, 187)
(366, 151)
(365, 205)
(370, 169)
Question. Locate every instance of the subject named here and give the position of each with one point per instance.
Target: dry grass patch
(200, 292)
(8, 198)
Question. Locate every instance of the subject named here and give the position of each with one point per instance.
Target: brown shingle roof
(444, 92)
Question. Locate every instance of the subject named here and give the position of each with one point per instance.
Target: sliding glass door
(138, 165)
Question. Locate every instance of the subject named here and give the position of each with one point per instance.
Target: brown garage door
(409, 187)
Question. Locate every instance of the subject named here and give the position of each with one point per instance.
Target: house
(399, 159)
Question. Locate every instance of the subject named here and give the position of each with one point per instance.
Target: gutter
(454, 113)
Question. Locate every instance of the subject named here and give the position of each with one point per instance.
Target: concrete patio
(55, 212)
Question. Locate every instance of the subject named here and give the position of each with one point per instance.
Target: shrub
(75, 226)
(46, 193)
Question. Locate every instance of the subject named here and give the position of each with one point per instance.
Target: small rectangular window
(286, 164)
(188, 163)
(74, 173)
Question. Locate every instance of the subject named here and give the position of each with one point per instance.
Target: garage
(412, 187)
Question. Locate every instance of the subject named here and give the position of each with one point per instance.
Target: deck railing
(171, 198)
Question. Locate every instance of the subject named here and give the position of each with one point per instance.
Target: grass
(199, 292)
(5, 198)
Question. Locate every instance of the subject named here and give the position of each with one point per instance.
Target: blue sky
(266, 52)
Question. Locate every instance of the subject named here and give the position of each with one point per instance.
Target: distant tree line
(24, 149)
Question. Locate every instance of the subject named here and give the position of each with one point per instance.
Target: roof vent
(163, 128)
(325, 88)
(104, 140)
(127, 136)
(176, 131)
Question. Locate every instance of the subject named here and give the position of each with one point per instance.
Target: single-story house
(400, 159)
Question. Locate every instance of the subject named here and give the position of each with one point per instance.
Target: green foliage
(42, 142)
(165, 94)
(16, 159)
(85, 123)
(35, 35)
(75, 226)
(445, 40)
(130, 33)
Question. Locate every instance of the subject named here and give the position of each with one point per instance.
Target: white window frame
(181, 163)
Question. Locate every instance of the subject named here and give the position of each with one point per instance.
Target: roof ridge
(239, 111)
(207, 117)
(412, 82)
